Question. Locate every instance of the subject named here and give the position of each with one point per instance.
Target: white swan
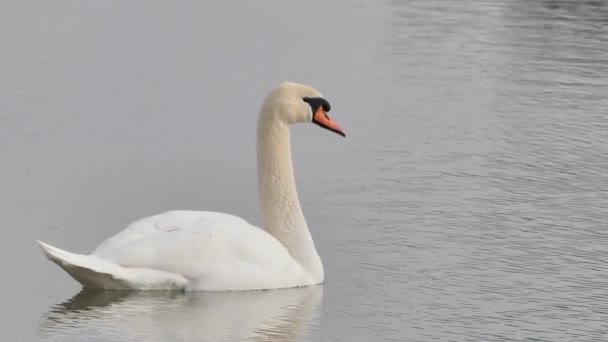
(208, 251)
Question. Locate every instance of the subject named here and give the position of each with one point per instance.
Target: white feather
(192, 250)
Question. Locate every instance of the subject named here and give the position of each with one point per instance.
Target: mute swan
(209, 251)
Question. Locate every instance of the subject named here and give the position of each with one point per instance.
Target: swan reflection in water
(277, 315)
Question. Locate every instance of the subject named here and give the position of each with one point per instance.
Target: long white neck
(281, 211)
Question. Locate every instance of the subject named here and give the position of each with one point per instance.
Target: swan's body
(190, 250)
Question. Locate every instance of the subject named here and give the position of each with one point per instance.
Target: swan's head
(293, 102)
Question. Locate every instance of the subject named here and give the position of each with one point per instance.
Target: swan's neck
(281, 211)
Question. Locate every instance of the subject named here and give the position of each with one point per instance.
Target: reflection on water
(282, 315)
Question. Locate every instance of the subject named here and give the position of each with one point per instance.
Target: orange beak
(322, 119)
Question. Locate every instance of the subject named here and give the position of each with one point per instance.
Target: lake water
(469, 201)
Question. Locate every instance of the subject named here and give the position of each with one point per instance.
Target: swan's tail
(96, 273)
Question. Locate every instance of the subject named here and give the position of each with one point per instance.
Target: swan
(210, 251)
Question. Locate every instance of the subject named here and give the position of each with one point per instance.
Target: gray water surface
(469, 201)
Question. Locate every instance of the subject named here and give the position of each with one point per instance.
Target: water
(468, 203)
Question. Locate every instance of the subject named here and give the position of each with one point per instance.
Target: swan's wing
(96, 273)
(211, 250)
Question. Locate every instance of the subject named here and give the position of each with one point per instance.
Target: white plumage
(209, 251)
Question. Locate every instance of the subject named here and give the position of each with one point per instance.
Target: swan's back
(214, 251)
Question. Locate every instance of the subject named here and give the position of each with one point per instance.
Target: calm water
(468, 203)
